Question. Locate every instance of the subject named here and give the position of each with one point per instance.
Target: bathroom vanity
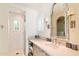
(41, 47)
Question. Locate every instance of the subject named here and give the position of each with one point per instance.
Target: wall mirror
(61, 26)
(59, 21)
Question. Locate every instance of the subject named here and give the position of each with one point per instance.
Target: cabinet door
(16, 34)
(37, 51)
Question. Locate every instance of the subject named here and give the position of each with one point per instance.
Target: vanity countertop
(52, 50)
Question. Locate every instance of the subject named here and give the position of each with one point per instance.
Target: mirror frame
(66, 9)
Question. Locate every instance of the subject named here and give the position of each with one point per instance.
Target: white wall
(43, 31)
(31, 25)
(35, 24)
(31, 22)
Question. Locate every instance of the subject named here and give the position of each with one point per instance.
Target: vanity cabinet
(37, 51)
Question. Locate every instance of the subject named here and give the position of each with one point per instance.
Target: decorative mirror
(61, 26)
(73, 24)
(59, 21)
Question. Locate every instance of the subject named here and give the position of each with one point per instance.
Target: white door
(16, 34)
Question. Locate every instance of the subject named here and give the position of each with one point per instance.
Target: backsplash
(68, 44)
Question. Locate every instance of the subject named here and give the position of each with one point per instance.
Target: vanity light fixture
(47, 23)
(73, 24)
(71, 13)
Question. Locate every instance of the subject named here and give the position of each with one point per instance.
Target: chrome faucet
(56, 42)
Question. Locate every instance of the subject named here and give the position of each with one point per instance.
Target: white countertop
(52, 50)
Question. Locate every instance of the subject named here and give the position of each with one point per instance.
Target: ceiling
(42, 7)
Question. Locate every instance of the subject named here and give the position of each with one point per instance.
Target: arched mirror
(59, 21)
(61, 26)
